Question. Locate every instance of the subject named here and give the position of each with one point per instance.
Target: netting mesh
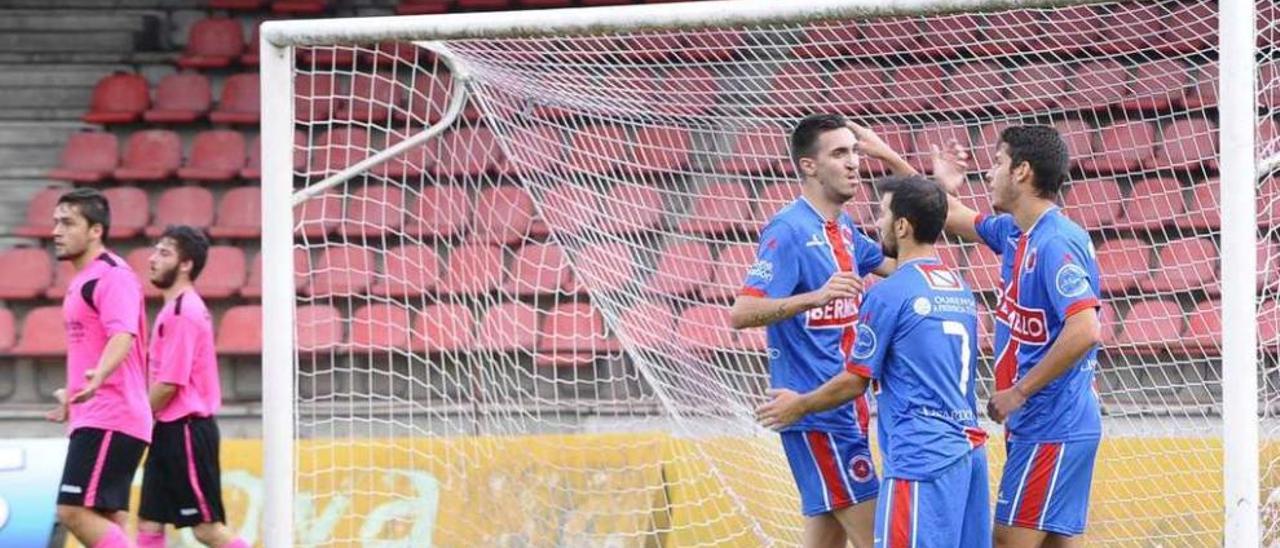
(517, 334)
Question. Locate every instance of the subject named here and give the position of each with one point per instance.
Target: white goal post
(596, 79)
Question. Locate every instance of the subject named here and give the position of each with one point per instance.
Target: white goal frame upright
(1240, 409)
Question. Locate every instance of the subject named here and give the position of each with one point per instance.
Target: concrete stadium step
(48, 92)
(29, 149)
(70, 31)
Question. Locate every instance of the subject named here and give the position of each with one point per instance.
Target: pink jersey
(182, 355)
(104, 300)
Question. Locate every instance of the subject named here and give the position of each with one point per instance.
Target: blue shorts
(951, 510)
(833, 470)
(1045, 486)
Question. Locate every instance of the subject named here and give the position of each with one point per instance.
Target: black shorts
(181, 483)
(99, 469)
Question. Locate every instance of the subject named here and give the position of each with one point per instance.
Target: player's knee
(70, 516)
(210, 534)
(150, 526)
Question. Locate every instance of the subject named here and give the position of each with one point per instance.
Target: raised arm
(949, 166)
(872, 146)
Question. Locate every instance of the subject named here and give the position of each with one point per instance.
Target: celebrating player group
(912, 339)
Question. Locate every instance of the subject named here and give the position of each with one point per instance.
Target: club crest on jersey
(860, 468)
(864, 345)
(940, 278)
(836, 314)
(1071, 280)
(1026, 325)
(1029, 263)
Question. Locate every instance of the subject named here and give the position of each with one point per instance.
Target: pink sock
(237, 543)
(114, 538)
(150, 540)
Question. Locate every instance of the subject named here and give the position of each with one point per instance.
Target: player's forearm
(160, 394)
(898, 165)
(1079, 335)
(839, 390)
(961, 219)
(118, 347)
(749, 311)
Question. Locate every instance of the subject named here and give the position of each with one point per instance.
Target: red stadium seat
(660, 149)
(371, 99)
(374, 210)
(793, 90)
(1203, 212)
(1124, 146)
(39, 219)
(540, 269)
(440, 211)
(119, 98)
(827, 39)
(1268, 95)
(250, 55)
(975, 194)
(130, 211)
(444, 328)
(718, 208)
(422, 7)
(466, 151)
(1069, 30)
(240, 331)
(728, 272)
(599, 148)
(683, 269)
(301, 277)
(428, 99)
(758, 149)
(1204, 90)
(339, 57)
(239, 102)
(319, 328)
(864, 207)
(239, 214)
(180, 99)
(504, 215)
(983, 273)
(183, 205)
(212, 43)
(1152, 204)
(381, 326)
(139, 259)
(1094, 203)
(917, 88)
(509, 326)
(607, 267)
(648, 325)
(1133, 27)
(43, 333)
(983, 153)
(1009, 32)
(342, 270)
(482, 5)
(944, 36)
(573, 334)
(63, 271)
(1036, 87)
(630, 208)
(253, 162)
(1187, 144)
(216, 155)
(150, 155)
(898, 137)
(1151, 325)
(539, 150)
(569, 208)
(1192, 27)
(1158, 85)
(1124, 263)
(338, 149)
(307, 7)
(1189, 264)
(88, 157)
(314, 96)
(693, 90)
(857, 89)
(8, 330)
(1203, 336)
(28, 271)
(318, 215)
(976, 87)
(705, 329)
(224, 272)
(239, 5)
(408, 271)
(1097, 85)
(473, 269)
(1269, 326)
(773, 198)
(1079, 136)
(412, 162)
(935, 134)
(893, 36)
(1268, 264)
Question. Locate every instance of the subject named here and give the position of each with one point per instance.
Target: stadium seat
(313, 96)
(898, 137)
(237, 5)
(224, 273)
(410, 163)
(422, 7)
(139, 260)
(569, 208)
(1193, 26)
(857, 88)
(300, 7)
(1036, 87)
(473, 269)
(628, 208)
(975, 194)
(1269, 326)
(1187, 144)
(1203, 92)
(150, 155)
(240, 331)
(253, 161)
(793, 90)
(428, 99)
(729, 271)
(1152, 203)
(1009, 32)
(28, 271)
(180, 99)
(504, 215)
(889, 36)
(239, 214)
(599, 149)
(705, 329)
(331, 57)
(381, 326)
(240, 100)
(1094, 203)
(755, 150)
(717, 208)
(444, 328)
(984, 270)
(827, 39)
(318, 215)
(1133, 27)
(1269, 95)
(1189, 264)
(540, 269)
(660, 149)
(976, 87)
(864, 207)
(118, 98)
(541, 151)
(212, 43)
(338, 149)
(216, 155)
(319, 328)
(301, 268)
(684, 267)
(8, 331)
(466, 151)
(249, 57)
(182, 205)
(1097, 85)
(1158, 85)
(342, 270)
(371, 99)
(773, 198)
(915, 88)
(1068, 30)
(1124, 263)
(1079, 136)
(693, 90)
(482, 5)
(408, 271)
(1108, 320)
(373, 210)
(130, 211)
(509, 326)
(63, 271)
(945, 36)
(1151, 325)
(1123, 147)
(573, 334)
(983, 152)
(88, 157)
(1203, 212)
(935, 134)
(39, 218)
(1203, 336)
(648, 325)
(607, 267)
(440, 211)
(44, 333)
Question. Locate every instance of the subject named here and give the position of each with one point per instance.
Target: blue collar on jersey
(815, 211)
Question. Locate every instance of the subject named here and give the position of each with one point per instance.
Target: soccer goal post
(499, 250)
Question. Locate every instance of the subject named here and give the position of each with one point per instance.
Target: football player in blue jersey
(917, 345)
(805, 287)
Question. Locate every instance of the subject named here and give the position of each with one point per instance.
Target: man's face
(888, 239)
(71, 233)
(835, 164)
(165, 264)
(1004, 193)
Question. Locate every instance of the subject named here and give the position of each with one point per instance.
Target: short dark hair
(918, 200)
(92, 205)
(806, 133)
(192, 246)
(1043, 148)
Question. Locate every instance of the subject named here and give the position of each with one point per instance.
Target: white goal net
(516, 332)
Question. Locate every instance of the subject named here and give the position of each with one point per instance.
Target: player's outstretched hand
(90, 388)
(870, 144)
(59, 413)
(950, 162)
(1004, 403)
(783, 410)
(841, 285)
